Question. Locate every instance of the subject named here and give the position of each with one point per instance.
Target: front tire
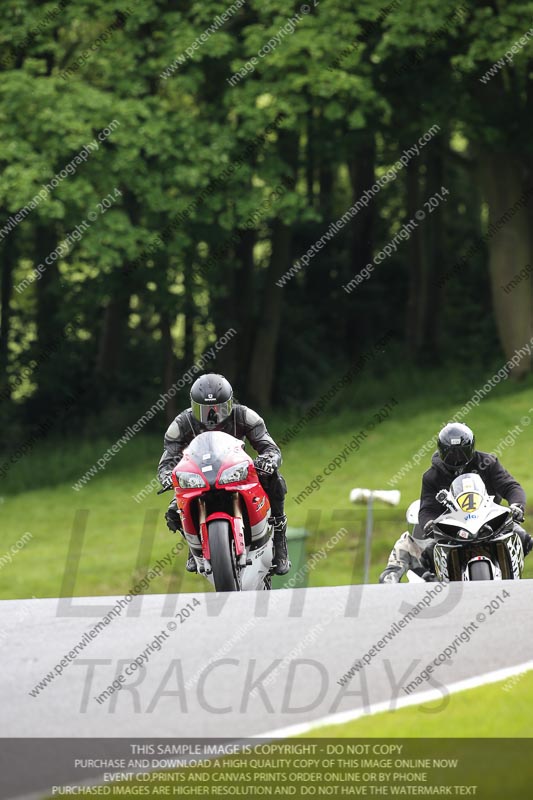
(223, 559)
(480, 571)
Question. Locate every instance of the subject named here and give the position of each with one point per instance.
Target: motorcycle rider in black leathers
(212, 408)
(456, 454)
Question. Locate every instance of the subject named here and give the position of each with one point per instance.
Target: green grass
(497, 710)
(114, 534)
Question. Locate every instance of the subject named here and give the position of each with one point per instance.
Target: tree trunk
(6, 288)
(50, 318)
(169, 374)
(240, 348)
(509, 253)
(234, 303)
(326, 191)
(413, 322)
(432, 231)
(362, 176)
(116, 313)
(263, 361)
(189, 312)
(48, 289)
(310, 159)
(112, 334)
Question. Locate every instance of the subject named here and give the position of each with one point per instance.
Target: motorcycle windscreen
(211, 450)
(469, 492)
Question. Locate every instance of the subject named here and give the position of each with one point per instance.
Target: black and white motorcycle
(475, 537)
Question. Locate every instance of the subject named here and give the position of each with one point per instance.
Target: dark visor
(211, 414)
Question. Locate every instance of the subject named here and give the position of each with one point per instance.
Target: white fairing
(510, 541)
(253, 576)
(260, 530)
(412, 512)
(469, 509)
(412, 577)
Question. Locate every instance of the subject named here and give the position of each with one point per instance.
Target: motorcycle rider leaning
(212, 409)
(456, 454)
(407, 551)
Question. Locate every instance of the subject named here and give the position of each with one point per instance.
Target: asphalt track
(241, 665)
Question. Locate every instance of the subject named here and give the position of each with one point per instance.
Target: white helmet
(412, 512)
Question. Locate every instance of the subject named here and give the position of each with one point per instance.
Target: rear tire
(223, 559)
(480, 571)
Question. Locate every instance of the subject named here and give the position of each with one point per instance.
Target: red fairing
(254, 496)
(236, 526)
(186, 497)
(208, 462)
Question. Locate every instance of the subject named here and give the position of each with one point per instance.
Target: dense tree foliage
(165, 164)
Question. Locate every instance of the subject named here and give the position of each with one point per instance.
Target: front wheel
(223, 559)
(480, 571)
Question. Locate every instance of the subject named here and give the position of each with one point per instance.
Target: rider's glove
(517, 511)
(265, 464)
(429, 528)
(173, 519)
(166, 481)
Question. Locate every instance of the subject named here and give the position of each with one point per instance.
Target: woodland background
(121, 316)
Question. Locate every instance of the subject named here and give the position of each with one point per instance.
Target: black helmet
(456, 444)
(211, 400)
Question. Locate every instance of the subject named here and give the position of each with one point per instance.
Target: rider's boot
(427, 559)
(174, 524)
(281, 554)
(191, 563)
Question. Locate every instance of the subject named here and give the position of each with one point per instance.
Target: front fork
(202, 519)
(237, 513)
(202, 515)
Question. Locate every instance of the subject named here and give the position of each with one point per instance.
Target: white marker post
(391, 497)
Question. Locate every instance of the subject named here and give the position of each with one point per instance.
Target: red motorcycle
(225, 513)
